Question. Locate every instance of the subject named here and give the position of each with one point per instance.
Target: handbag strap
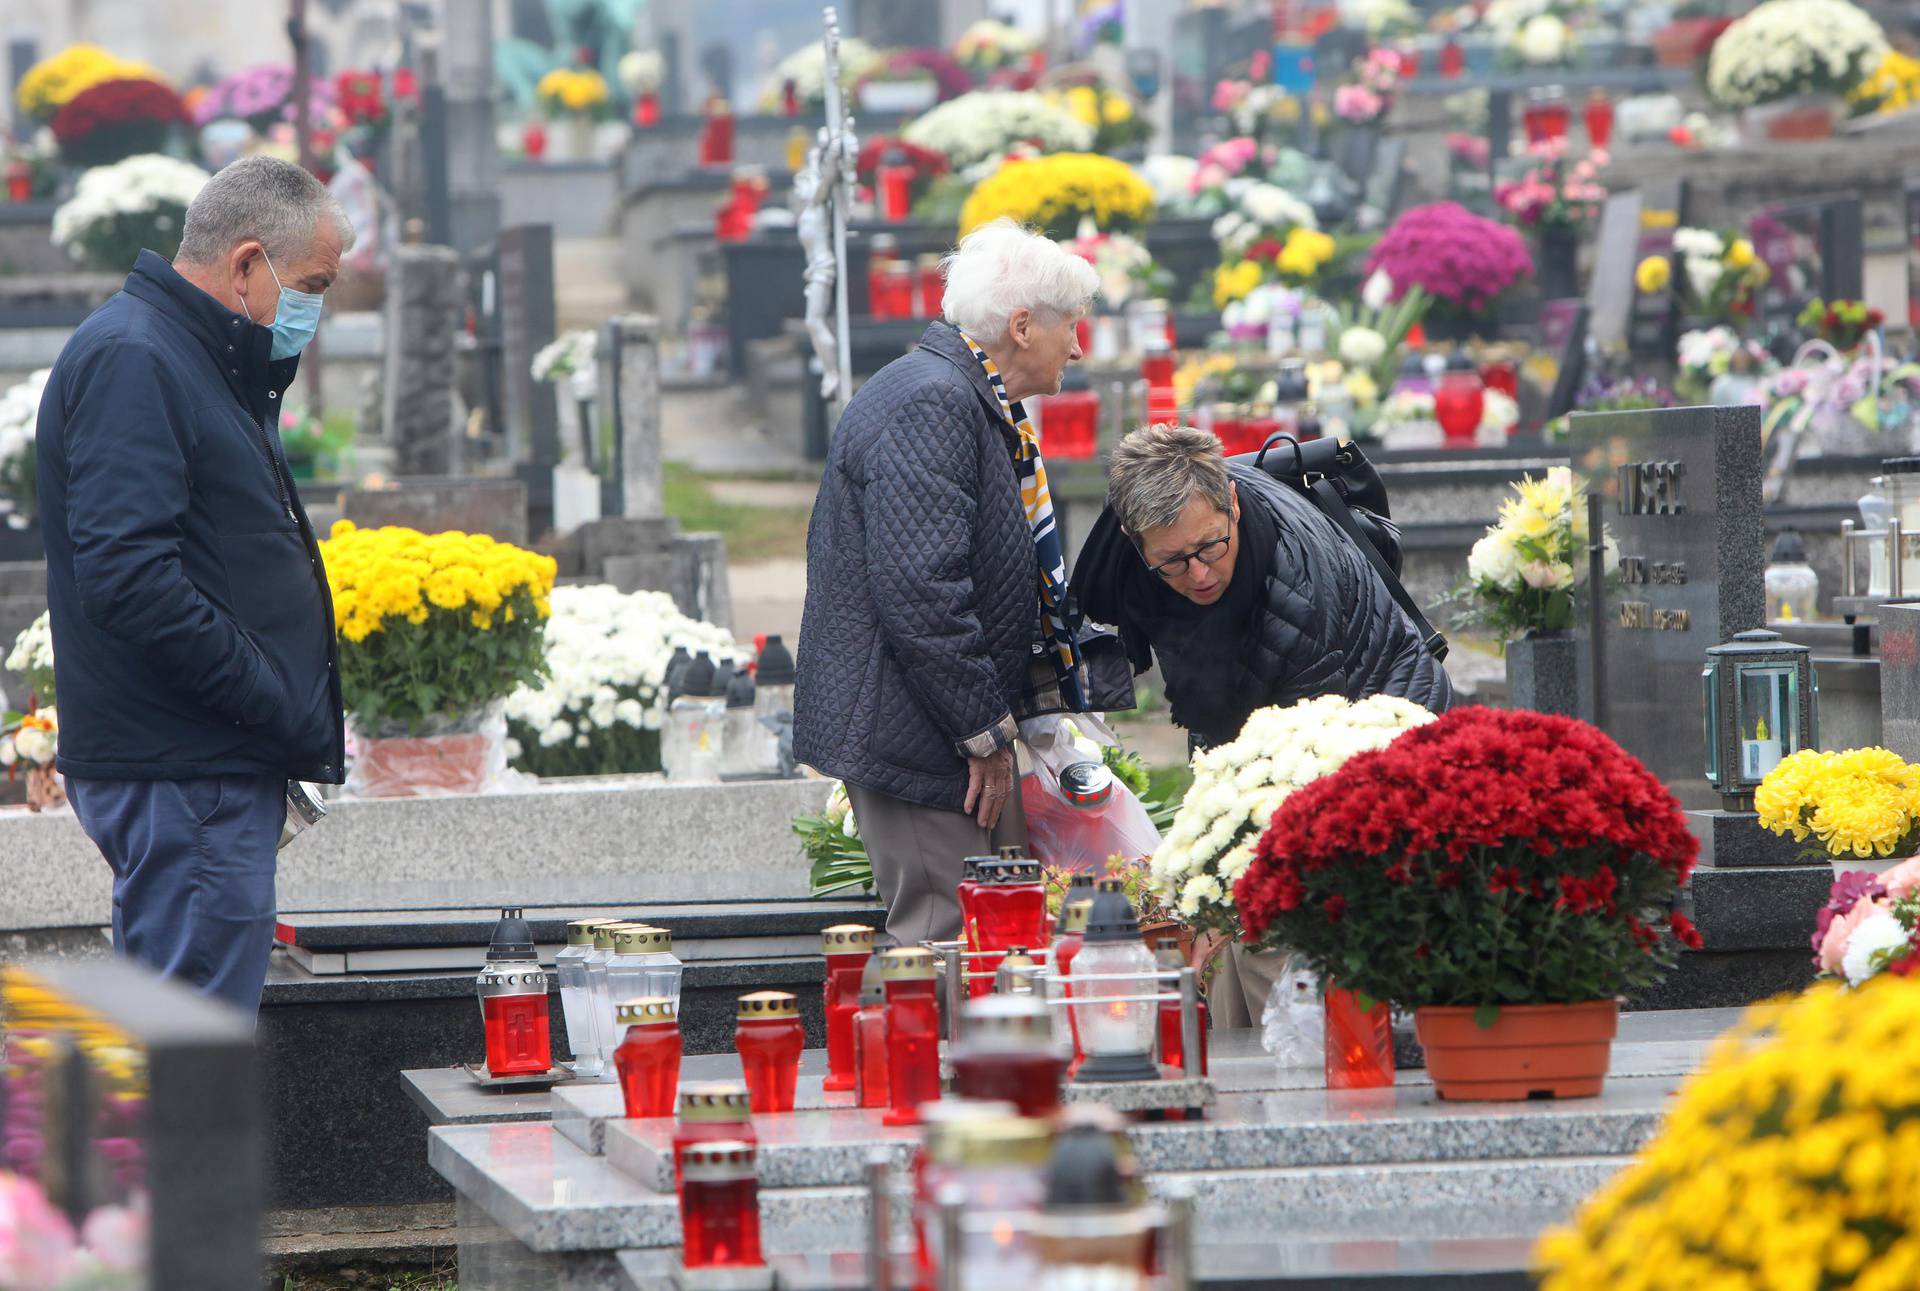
(1335, 508)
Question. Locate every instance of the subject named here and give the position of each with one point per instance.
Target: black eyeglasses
(1208, 554)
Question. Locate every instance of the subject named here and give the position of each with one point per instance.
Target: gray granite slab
(1243, 1132)
(582, 1110)
(449, 1096)
(1142, 1095)
(622, 840)
(471, 925)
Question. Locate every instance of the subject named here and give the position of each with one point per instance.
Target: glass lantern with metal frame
(1762, 706)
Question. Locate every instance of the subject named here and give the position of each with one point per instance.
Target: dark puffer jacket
(922, 583)
(1327, 624)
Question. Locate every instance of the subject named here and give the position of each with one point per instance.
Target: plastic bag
(1101, 819)
(1294, 1027)
(463, 755)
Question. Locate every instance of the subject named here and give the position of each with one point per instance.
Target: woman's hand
(989, 785)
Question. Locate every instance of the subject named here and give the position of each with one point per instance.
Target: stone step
(1245, 1132)
(553, 1197)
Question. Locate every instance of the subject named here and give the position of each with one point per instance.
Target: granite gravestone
(1610, 289)
(1900, 679)
(1680, 497)
(1911, 205)
(526, 326)
(131, 1107)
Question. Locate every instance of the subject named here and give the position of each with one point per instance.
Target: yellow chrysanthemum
(570, 89)
(1653, 275)
(1792, 1159)
(1054, 193)
(1863, 803)
(1234, 281)
(1739, 254)
(51, 82)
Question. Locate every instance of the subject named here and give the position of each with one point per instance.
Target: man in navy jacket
(193, 632)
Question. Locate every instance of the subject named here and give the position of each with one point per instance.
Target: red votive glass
(1070, 424)
(716, 135)
(1546, 116)
(720, 1207)
(895, 182)
(709, 1113)
(1453, 60)
(1599, 117)
(1073, 926)
(648, 1058)
(1501, 375)
(1157, 369)
(768, 1037)
(1359, 1042)
(1009, 909)
(870, 1056)
(933, 286)
(646, 111)
(1459, 399)
(1166, 954)
(970, 884)
(1007, 1054)
(913, 1034)
(848, 947)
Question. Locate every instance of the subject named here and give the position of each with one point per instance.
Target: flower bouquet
(983, 125)
(310, 444)
(1553, 194)
(1868, 925)
(1785, 50)
(117, 211)
(1707, 355)
(32, 657)
(600, 710)
(1849, 403)
(1369, 331)
(1843, 324)
(989, 46)
(262, 97)
(19, 482)
(573, 92)
(1295, 260)
(1520, 575)
(1506, 874)
(1053, 194)
(1237, 787)
(1108, 113)
(30, 740)
(1368, 96)
(1787, 1158)
(52, 83)
(831, 843)
(799, 81)
(435, 631)
(114, 120)
(1461, 260)
(1125, 266)
(1719, 275)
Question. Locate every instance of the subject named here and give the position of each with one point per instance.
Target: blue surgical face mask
(296, 320)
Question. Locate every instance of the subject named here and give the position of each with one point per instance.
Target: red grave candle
(708, 1114)
(848, 947)
(895, 181)
(1359, 1042)
(1458, 402)
(1009, 909)
(1172, 1039)
(933, 286)
(970, 884)
(1008, 1055)
(648, 1058)
(646, 111)
(513, 1002)
(913, 1034)
(1599, 117)
(720, 1207)
(870, 1056)
(768, 1037)
(1453, 60)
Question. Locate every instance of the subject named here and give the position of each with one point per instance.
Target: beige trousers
(916, 853)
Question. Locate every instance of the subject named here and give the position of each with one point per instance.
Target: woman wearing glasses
(1242, 590)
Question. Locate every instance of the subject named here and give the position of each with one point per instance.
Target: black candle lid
(697, 681)
(512, 939)
(776, 663)
(1111, 916)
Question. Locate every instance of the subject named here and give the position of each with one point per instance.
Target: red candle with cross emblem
(847, 946)
(513, 1002)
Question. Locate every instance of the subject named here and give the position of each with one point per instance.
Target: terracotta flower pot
(1531, 1050)
(423, 766)
(1151, 933)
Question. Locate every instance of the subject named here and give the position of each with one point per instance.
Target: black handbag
(1339, 480)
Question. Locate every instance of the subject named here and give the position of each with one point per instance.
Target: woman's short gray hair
(1001, 267)
(275, 201)
(1155, 472)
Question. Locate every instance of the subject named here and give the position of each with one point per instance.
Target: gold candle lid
(651, 1008)
(768, 1004)
(717, 1161)
(907, 964)
(1074, 917)
(993, 1141)
(580, 931)
(603, 934)
(640, 939)
(714, 1101)
(846, 939)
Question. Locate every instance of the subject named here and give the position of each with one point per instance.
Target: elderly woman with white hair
(937, 610)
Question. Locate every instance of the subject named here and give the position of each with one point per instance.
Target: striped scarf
(1058, 618)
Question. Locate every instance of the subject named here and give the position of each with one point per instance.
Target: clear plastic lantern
(1761, 707)
(1116, 1017)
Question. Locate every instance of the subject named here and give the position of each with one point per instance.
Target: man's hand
(989, 785)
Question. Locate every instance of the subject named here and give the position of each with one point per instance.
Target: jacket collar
(240, 347)
(945, 340)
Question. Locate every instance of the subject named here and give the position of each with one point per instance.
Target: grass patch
(1171, 783)
(752, 532)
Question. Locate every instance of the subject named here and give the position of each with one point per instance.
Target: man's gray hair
(1155, 472)
(1001, 267)
(275, 201)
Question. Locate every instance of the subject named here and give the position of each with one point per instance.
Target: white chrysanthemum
(981, 126)
(1880, 935)
(136, 186)
(1784, 48)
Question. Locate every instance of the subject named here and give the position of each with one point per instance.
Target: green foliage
(111, 243)
(420, 676)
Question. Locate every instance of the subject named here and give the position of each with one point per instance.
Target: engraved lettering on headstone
(1635, 614)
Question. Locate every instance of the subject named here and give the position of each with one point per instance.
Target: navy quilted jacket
(1328, 626)
(922, 584)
